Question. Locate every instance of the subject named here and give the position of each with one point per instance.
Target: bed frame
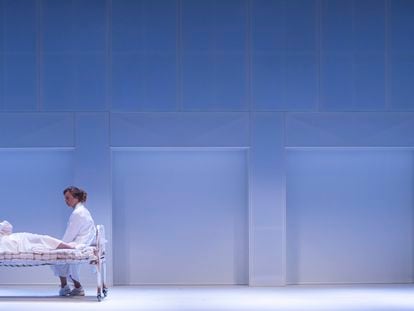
(94, 255)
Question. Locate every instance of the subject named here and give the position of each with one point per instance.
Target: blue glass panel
(76, 82)
(57, 26)
(214, 25)
(90, 82)
(336, 81)
(214, 55)
(126, 74)
(20, 26)
(268, 88)
(280, 25)
(301, 82)
(20, 82)
(369, 82)
(2, 30)
(301, 25)
(283, 82)
(144, 82)
(369, 25)
(90, 25)
(353, 25)
(2, 77)
(353, 83)
(74, 25)
(402, 82)
(144, 25)
(401, 25)
(214, 82)
(58, 81)
(337, 25)
(269, 25)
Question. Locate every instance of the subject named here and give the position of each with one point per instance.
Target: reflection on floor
(218, 298)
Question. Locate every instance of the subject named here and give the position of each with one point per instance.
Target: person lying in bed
(27, 242)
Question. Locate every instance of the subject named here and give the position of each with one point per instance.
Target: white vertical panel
(267, 200)
(92, 172)
(349, 216)
(180, 216)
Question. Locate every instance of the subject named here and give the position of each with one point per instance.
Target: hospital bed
(93, 255)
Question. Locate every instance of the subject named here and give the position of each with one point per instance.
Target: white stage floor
(217, 298)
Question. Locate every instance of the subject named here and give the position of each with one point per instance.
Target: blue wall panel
(20, 82)
(74, 55)
(284, 55)
(262, 74)
(19, 20)
(73, 26)
(353, 64)
(214, 82)
(144, 64)
(214, 54)
(19, 72)
(401, 55)
(401, 25)
(144, 82)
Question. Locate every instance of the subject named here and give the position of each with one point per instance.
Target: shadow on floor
(43, 298)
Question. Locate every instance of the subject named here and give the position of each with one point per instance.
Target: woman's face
(70, 199)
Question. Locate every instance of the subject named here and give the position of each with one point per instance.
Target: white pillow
(6, 228)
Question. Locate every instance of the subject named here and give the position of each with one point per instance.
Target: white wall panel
(349, 216)
(350, 129)
(180, 129)
(180, 216)
(31, 183)
(36, 130)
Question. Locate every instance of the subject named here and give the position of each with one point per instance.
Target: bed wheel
(99, 297)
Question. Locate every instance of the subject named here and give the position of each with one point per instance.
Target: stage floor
(217, 298)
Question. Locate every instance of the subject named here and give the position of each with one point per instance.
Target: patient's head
(6, 228)
(74, 195)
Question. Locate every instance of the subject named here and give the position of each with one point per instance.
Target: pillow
(6, 228)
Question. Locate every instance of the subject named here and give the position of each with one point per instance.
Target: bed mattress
(49, 257)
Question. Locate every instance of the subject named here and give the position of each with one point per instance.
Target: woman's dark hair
(76, 193)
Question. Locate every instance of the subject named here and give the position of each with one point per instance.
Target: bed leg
(104, 288)
(98, 281)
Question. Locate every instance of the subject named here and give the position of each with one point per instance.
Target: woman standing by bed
(80, 230)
